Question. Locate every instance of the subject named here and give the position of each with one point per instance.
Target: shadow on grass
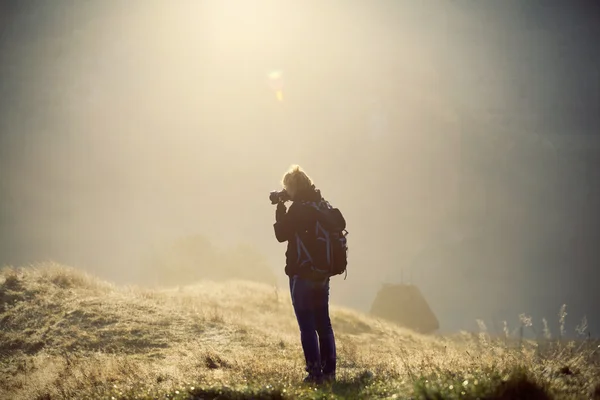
(341, 389)
(233, 394)
(351, 386)
(518, 386)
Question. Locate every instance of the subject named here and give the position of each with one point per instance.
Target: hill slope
(65, 334)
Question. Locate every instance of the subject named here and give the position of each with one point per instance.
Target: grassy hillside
(66, 335)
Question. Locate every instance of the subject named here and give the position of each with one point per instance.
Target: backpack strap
(302, 250)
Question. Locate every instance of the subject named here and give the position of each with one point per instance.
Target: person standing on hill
(316, 250)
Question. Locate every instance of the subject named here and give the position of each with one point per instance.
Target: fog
(457, 139)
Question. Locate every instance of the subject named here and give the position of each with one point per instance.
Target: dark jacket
(297, 219)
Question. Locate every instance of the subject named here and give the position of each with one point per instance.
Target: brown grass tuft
(520, 386)
(595, 392)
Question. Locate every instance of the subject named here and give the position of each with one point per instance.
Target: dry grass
(65, 335)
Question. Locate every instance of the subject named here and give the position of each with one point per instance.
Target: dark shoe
(329, 378)
(313, 379)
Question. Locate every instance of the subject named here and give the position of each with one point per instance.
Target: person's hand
(281, 210)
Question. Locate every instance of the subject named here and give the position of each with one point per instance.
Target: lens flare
(276, 83)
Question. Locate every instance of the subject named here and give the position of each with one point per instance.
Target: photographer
(309, 291)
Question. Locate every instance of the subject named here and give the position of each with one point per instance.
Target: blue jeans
(311, 305)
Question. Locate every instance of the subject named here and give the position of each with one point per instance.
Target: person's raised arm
(285, 222)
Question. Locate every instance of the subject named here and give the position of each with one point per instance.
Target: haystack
(406, 306)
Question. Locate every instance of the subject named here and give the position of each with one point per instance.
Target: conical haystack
(406, 306)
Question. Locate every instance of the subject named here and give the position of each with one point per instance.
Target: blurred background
(459, 138)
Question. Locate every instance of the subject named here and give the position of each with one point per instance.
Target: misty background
(460, 140)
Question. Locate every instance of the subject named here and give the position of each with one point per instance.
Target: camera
(278, 196)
